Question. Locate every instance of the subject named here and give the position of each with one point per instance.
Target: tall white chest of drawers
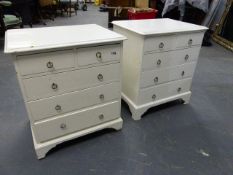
(159, 60)
(70, 80)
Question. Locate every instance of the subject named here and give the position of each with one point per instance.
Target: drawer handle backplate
(190, 42)
(63, 126)
(58, 108)
(99, 56)
(101, 117)
(161, 45)
(101, 96)
(50, 65)
(159, 62)
(156, 79)
(54, 86)
(100, 77)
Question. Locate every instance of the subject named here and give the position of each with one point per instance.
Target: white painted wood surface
(156, 77)
(76, 121)
(87, 56)
(45, 108)
(158, 26)
(159, 60)
(25, 40)
(70, 80)
(61, 60)
(169, 58)
(42, 86)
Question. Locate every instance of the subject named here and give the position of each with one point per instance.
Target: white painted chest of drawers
(70, 80)
(159, 60)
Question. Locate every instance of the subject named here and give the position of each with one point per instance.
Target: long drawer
(61, 104)
(161, 60)
(56, 84)
(67, 124)
(100, 54)
(166, 90)
(172, 42)
(45, 62)
(155, 77)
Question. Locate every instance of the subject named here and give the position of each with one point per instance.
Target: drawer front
(155, 77)
(168, 59)
(101, 54)
(158, 43)
(45, 62)
(61, 104)
(162, 91)
(172, 42)
(67, 124)
(56, 84)
(188, 40)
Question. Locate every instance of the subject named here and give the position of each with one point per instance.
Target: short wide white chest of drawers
(159, 60)
(70, 80)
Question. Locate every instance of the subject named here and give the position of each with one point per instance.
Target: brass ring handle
(159, 62)
(50, 65)
(161, 45)
(186, 57)
(63, 126)
(58, 108)
(54, 86)
(100, 77)
(101, 117)
(153, 97)
(98, 55)
(101, 96)
(190, 42)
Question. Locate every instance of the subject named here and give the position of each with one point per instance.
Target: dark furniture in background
(8, 20)
(124, 13)
(68, 6)
(153, 4)
(26, 9)
(48, 8)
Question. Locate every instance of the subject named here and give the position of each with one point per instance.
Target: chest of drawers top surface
(158, 26)
(36, 39)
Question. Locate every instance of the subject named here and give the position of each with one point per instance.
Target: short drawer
(158, 43)
(56, 84)
(61, 104)
(45, 62)
(149, 95)
(188, 40)
(76, 121)
(101, 54)
(161, 60)
(155, 77)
